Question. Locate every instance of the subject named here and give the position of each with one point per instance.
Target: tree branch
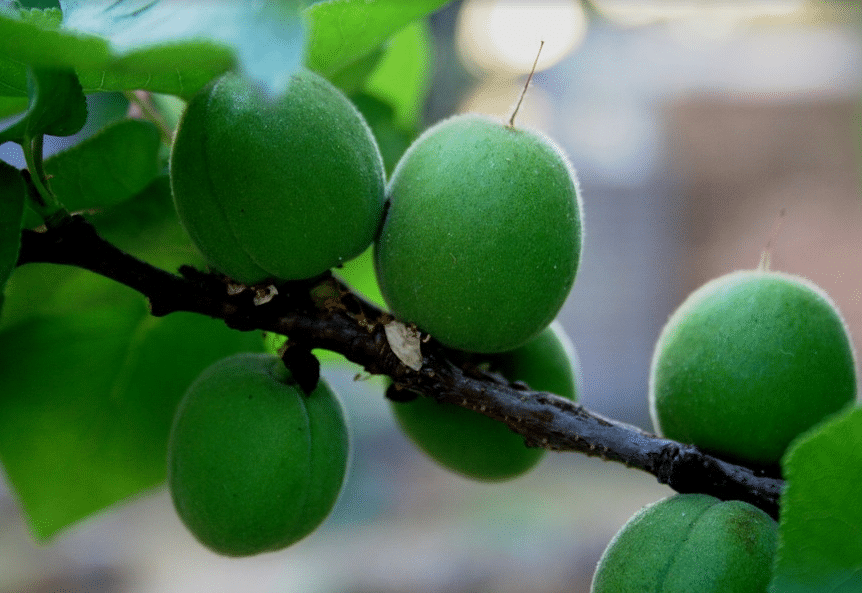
(322, 313)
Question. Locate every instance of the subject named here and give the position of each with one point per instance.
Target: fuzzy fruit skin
(749, 361)
(479, 447)
(254, 464)
(690, 543)
(276, 189)
(548, 362)
(482, 239)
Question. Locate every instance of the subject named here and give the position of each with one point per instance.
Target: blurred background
(692, 126)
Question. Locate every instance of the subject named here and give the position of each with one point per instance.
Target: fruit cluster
(747, 363)
(479, 247)
(477, 238)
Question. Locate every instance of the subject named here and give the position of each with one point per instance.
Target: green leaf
(820, 529)
(147, 226)
(389, 87)
(56, 106)
(88, 399)
(160, 46)
(33, 37)
(39, 3)
(205, 63)
(13, 77)
(100, 319)
(39, 290)
(108, 168)
(359, 274)
(351, 79)
(343, 32)
(50, 421)
(402, 78)
(201, 39)
(13, 194)
(391, 139)
(10, 106)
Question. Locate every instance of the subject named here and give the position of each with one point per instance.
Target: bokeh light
(497, 96)
(636, 13)
(503, 36)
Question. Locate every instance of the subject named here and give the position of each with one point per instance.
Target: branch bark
(322, 313)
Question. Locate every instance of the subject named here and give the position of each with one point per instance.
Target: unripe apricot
(482, 239)
(690, 543)
(255, 464)
(479, 447)
(548, 362)
(276, 188)
(749, 361)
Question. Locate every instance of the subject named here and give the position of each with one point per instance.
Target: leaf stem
(43, 201)
(151, 114)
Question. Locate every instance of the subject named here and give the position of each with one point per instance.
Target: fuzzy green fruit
(690, 543)
(255, 464)
(483, 236)
(274, 189)
(749, 361)
(548, 362)
(479, 447)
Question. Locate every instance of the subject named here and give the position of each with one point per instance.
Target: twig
(323, 313)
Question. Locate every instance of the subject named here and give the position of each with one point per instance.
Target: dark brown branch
(322, 313)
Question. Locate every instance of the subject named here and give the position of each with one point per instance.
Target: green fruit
(477, 446)
(254, 464)
(548, 362)
(483, 236)
(690, 543)
(749, 361)
(276, 188)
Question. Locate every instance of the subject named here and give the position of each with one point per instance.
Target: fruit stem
(765, 261)
(527, 84)
(766, 254)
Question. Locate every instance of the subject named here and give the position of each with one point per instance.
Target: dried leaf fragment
(405, 343)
